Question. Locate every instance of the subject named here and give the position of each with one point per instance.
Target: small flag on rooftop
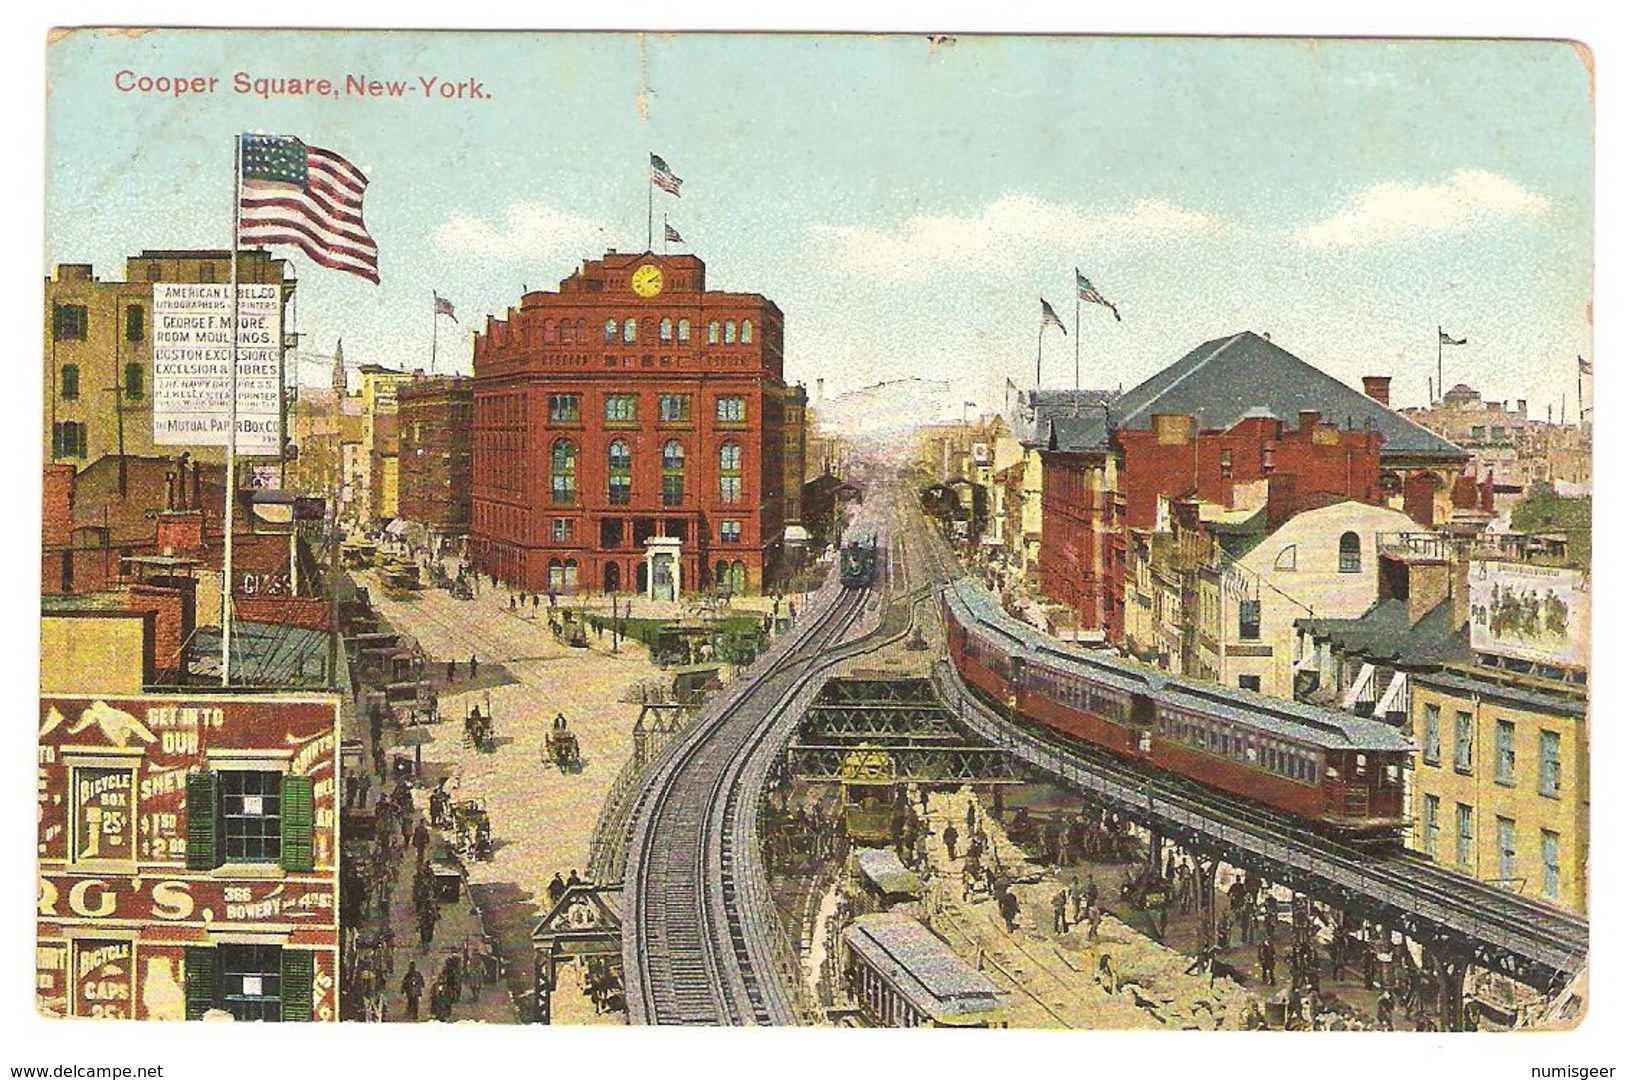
(293, 193)
(672, 235)
(1087, 291)
(1446, 339)
(442, 306)
(1585, 365)
(1050, 318)
(661, 175)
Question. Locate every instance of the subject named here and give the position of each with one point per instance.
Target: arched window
(1348, 553)
(713, 332)
(746, 332)
(1287, 559)
(629, 331)
(736, 577)
(549, 332)
(571, 572)
(564, 331)
(729, 332)
(682, 329)
(720, 579)
(665, 329)
(671, 474)
(620, 473)
(728, 473)
(609, 331)
(70, 381)
(564, 471)
(581, 331)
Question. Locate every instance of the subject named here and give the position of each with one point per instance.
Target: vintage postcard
(894, 530)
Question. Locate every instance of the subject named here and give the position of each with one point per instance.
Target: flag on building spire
(672, 235)
(662, 177)
(442, 306)
(1446, 339)
(293, 193)
(1050, 318)
(1087, 291)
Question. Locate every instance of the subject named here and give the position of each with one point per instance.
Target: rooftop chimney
(1376, 387)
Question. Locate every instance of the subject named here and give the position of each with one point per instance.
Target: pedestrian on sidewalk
(412, 990)
(420, 840)
(1094, 922)
(1059, 906)
(950, 839)
(473, 666)
(427, 916)
(451, 670)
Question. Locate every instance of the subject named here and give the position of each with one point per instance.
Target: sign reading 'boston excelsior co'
(191, 372)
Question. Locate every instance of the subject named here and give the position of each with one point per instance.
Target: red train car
(1337, 770)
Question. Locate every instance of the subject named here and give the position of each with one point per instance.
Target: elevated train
(859, 558)
(1341, 772)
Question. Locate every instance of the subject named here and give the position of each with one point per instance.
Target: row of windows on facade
(564, 576)
(71, 322)
(562, 473)
(135, 382)
(612, 532)
(68, 439)
(1549, 778)
(1506, 846)
(623, 409)
(725, 332)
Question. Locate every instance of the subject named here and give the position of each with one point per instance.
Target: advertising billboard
(1538, 613)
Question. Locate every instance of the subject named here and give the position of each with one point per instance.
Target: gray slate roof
(1223, 380)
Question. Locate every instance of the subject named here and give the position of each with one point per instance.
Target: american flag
(1585, 366)
(1050, 318)
(662, 176)
(1446, 339)
(442, 306)
(673, 236)
(293, 193)
(1087, 291)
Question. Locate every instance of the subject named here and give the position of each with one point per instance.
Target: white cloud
(1003, 235)
(527, 231)
(1389, 212)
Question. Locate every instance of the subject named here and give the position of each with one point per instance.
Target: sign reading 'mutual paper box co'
(191, 366)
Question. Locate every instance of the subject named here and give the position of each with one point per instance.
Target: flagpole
(231, 435)
(1077, 339)
(1038, 376)
(1579, 391)
(1440, 387)
(665, 234)
(650, 245)
(434, 332)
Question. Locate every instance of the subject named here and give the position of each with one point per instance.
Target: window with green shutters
(279, 826)
(298, 983)
(298, 823)
(201, 971)
(205, 827)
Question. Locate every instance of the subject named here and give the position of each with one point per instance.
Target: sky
(906, 203)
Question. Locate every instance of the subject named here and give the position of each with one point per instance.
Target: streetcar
(1340, 772)
(858, 559)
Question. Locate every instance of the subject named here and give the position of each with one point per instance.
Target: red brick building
(436, 418)
(1235, 412)
(633, 432)
(188, 857)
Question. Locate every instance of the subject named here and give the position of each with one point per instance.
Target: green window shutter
(200, 981)
(298, 822)
(298, 984)
(204, 850)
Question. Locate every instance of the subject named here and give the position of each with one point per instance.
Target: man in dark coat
(412, 990)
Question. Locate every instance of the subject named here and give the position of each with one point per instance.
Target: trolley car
(858, 560)
(1343, 773)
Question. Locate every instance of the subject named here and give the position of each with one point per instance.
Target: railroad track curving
(701, 939)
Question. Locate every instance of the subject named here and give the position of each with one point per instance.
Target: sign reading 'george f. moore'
(191, 373)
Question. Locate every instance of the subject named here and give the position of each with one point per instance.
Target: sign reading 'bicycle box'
(192, 343)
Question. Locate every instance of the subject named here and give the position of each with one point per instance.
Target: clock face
(647, 281)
